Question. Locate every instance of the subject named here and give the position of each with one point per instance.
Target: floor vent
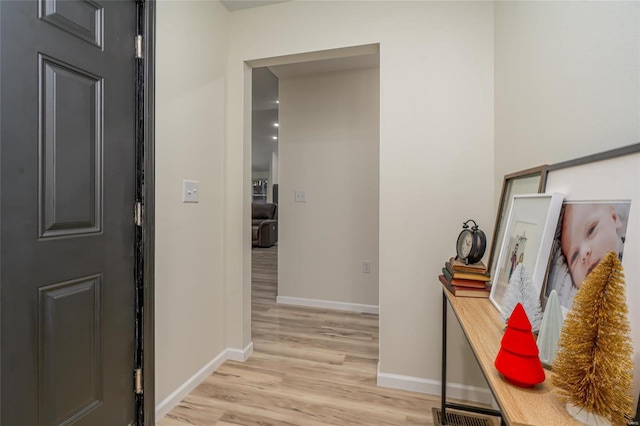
(463, 418)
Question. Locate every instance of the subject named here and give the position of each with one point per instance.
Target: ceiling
(347, 63)
(232, 5)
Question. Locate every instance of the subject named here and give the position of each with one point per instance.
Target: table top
(483, 327)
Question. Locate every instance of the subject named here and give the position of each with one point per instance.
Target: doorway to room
(264, 195)
(327, 177)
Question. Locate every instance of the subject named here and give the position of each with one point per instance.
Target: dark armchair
(264, 224)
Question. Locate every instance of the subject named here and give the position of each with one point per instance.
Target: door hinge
(138, 374)
(138, 46)
(137, 215)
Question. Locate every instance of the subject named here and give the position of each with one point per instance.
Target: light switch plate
(190, 191)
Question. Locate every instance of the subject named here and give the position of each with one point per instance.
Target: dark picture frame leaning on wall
(609, 175)
(526, 181)
(605, 176)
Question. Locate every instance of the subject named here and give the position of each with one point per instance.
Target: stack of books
(465, 280)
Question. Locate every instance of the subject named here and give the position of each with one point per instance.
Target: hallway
(309, 367)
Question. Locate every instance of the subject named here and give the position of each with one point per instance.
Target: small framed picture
(527, 181)
(527, 239)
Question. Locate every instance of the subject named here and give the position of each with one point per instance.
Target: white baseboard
(433, 387)
(240, 355)
(327, 304)
(164, 407)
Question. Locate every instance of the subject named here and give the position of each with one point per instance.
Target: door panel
(82, 18)
(70, 349)
(71, 114)
(67, 180)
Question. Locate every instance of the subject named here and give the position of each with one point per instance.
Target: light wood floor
(309, 367)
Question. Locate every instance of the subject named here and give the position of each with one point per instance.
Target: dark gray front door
(67, 180)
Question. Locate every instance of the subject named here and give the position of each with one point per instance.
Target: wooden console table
(482, 325)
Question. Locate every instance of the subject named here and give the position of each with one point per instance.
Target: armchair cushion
(264, 225)
(263, 211)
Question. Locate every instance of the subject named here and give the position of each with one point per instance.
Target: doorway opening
(326, 174)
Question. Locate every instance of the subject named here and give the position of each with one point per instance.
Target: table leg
(444, 404)
(443, 407)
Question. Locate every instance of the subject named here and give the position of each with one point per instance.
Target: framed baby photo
(611, 175)
(527, 240)
(586, 232)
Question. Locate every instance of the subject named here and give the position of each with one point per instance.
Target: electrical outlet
(301, 196)
(190, 191)
(366, 266)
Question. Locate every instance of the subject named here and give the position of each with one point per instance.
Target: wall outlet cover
(190, 191)
(301, 196)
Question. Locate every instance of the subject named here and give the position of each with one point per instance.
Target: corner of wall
(166, 405)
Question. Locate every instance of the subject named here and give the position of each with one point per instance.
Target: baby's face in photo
(589, 232)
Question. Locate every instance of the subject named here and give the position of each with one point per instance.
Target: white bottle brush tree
(550, 329)
(521, 290)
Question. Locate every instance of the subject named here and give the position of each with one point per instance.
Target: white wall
(329, 147)
(190, 79)
(436, 152)
(566, 80)
(567, 84)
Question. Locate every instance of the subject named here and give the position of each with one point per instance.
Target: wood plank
(193, 411)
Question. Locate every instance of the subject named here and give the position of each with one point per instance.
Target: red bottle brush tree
(518, 359)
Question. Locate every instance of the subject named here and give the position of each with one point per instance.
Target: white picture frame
(528, 236)
(527, 181)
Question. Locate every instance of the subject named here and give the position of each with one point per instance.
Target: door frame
(148, 227)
